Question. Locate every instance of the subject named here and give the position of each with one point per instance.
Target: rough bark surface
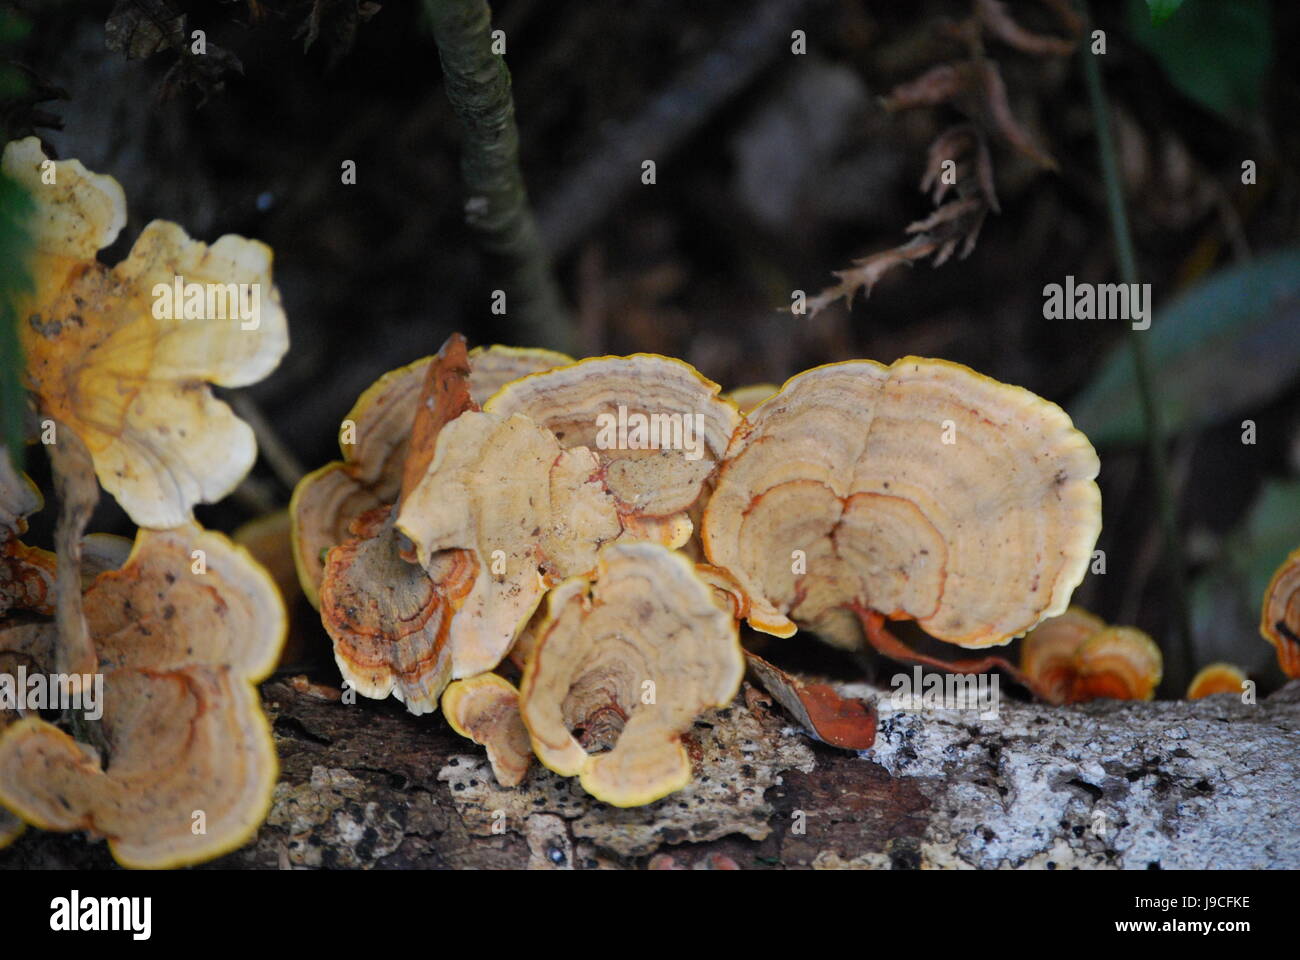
(1209, 783)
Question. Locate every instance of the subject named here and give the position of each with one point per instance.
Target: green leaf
(1162, 10)
(1223, 346)
(1217, 52)
(15, 247)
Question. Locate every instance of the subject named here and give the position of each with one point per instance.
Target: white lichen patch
(1175, 784)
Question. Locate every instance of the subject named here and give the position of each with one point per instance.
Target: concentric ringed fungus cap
(1047, 655)
(390, 620)
(1122, 663)
(388, 616)
(485, 709)
(920, 490)
(375, 450)
(1216, 678)
(630, 659)
(180, 651)
(1279, 622)
(531, 512)
(491, 368)
(1076, 657)
(108, 358)
(657, 425)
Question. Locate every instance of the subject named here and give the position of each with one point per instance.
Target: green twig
(478, 86)
(1178, 667)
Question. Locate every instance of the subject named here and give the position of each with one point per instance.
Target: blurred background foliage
(768, 176)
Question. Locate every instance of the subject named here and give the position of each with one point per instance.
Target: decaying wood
(1208, 783)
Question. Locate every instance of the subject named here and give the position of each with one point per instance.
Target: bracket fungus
(920, 491)
(628, 659)
(658, 427)
(485, 709)
(375, 451)
(1280, 619)
(190, 764)
(387, 615)
(1076, 657)
(122, 356)
(531, 512)
(1216, 678)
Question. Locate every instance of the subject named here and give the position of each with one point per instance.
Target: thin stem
(478, 86)
(1177, 668)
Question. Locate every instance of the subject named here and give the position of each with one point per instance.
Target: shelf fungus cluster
(1076, 657)
(601, 528)
(1280, 619)
(129, 669)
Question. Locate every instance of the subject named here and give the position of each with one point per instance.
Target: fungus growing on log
(1216, 678)
(627, 661)
(485, 709)
(388, 616)
(375, 448)
(657, 426)
(1076, 657)
(374, 442)
(1280, 619)
(531, 512)
(115, 356)
(920, 491)
(180, 646)
(491, 368)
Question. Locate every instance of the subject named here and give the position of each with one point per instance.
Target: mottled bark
(1209, 783)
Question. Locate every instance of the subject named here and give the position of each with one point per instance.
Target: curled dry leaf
(1280, 618)
(130, 383)
(485, 709)
(921, 491)
(840, 721)
(997, 20)
(975, 87)
(187, 742)
(627, 661)
(1075, 657)
(1216, 678)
